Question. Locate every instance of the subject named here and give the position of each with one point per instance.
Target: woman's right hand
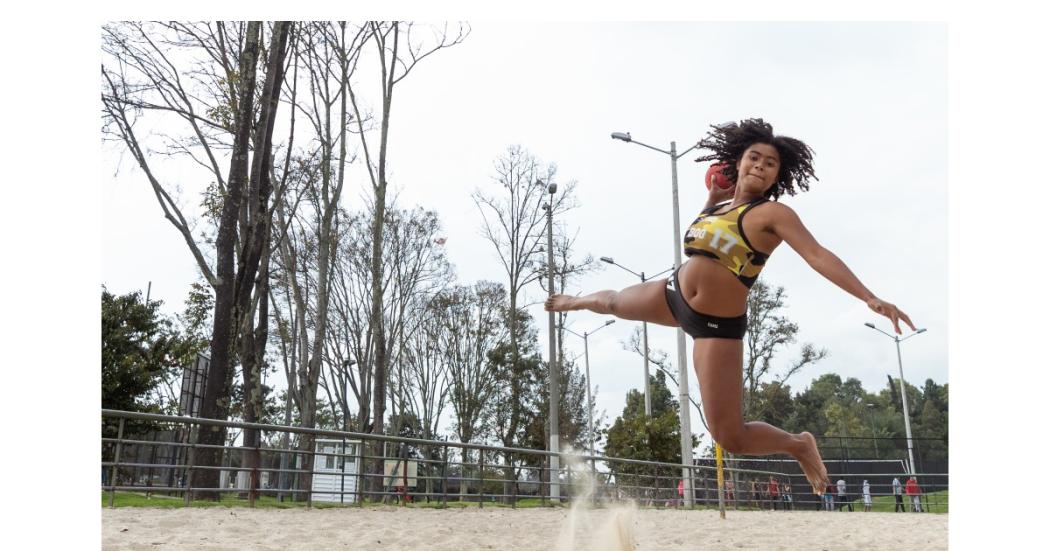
(717, 194)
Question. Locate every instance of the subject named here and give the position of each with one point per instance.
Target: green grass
(139, 499)
(936, 502)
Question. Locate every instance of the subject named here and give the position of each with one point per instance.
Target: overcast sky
(869, 98)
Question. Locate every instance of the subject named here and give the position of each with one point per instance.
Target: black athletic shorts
(697, 325)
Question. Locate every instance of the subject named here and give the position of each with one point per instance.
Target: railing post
(116, 463)
(481, 478)
(570, 494)
(655, 493)
(444, 476)
(190, 457)
(253, 475)
(310, 458)
(545, 466)
(594, 482)
(360, 473)
(513, 482)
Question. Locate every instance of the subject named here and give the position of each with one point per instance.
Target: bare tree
(195, 74)
(514, 221)
(474, 324)
(427, 369)
(325, 62)
(767, 332)
(425, 374)
(398, 49)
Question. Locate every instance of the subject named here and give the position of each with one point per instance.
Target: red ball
(720, 179)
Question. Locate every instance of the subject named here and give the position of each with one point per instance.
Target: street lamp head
(552, 188)
(610, 322)
(921, 330)
(623, 136)
(607, 260)
(871, 325)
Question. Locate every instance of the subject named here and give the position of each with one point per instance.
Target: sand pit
(135, 528)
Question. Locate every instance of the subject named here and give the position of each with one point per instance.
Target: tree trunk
(216, 402)
(255, 248)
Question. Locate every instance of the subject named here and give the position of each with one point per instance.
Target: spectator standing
(754, 494)
(912, 489)
(788, 505)
(774, 492)
(842, 495)
(866, 491)
(829, 498)
(898, 495)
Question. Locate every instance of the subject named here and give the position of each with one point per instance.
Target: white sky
(869, 98)
(57, 187)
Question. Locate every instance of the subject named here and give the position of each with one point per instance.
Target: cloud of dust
(606, 529)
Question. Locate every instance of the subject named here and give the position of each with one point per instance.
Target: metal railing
(165, 460)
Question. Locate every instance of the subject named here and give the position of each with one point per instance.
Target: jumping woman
(727, 246)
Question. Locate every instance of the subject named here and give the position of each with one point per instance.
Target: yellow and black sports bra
(721, 237)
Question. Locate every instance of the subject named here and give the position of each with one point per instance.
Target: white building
(333, 477)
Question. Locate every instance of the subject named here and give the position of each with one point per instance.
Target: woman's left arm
(788, 226)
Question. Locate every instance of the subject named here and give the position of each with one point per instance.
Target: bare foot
(812, 465)
(558, 303)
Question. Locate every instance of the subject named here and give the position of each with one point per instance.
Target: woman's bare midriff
(711, 289)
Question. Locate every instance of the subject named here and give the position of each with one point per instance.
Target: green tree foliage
(140, 348)
(633, 435)
(572, 410)
(521, 376)
(773, 403)
(870, 425)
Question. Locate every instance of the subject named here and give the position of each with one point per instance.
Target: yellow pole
(721, 481)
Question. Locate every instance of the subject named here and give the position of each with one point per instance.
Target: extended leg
(640, 302)
(718, 369)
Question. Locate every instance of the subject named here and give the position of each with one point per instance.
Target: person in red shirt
(774, 492)
(911, 488)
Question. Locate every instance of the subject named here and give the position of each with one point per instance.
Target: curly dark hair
(728, 142)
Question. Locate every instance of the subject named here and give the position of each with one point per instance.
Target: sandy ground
(136, 528)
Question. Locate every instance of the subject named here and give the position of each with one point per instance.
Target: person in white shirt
(898, 495)
(843, 500)
(867, 496)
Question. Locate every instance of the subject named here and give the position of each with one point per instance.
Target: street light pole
(683, 371)
(645, 334)
(552, 366)
(904, 393)
(874, 439)
(587, 364)
(346, 426)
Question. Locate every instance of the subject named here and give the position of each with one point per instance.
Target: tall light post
(347, 364)
(874, 439)
(683, 372)
(645, 333)
(587, 364)
(552, 378)
(904, 393)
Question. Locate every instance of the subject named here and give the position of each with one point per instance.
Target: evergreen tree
(633, 435)
(140, 348)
